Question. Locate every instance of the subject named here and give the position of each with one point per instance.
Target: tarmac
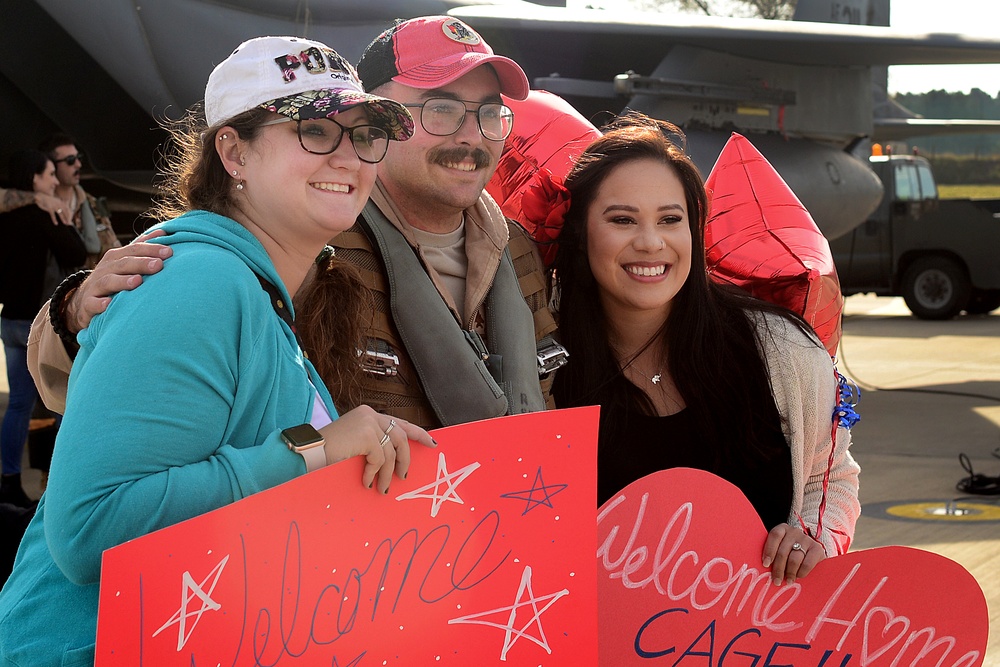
(930, 392)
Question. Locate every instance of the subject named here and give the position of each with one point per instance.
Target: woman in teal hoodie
(193, 392)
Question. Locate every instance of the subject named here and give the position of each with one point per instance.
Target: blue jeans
(14, 431)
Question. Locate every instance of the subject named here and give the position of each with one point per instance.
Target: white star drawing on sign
(511, 633)
(451, 480)
(190, 591)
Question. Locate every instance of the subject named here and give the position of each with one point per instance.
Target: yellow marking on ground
(946, 511)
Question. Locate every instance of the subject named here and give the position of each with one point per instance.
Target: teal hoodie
(175, 407)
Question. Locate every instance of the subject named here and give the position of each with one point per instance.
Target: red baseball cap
(432, 51)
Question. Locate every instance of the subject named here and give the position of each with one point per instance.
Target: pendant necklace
(654, 379)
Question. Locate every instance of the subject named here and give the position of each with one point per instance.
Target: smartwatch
(308, 442)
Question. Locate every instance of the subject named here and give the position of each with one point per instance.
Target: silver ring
(798, 547)
(58, 210)
(385, 439)
(392, 425)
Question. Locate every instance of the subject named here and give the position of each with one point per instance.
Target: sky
(931, 16)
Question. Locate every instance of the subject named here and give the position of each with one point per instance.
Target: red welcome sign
(483, 556)
(681, 582)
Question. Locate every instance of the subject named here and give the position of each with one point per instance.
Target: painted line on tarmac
(951, 511)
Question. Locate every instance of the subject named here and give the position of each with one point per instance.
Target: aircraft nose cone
(850, 193)
(839, 190)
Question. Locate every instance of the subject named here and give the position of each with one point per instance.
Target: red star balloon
(759, 236)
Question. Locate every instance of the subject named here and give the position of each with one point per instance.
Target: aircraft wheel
(936, 288)
(983, 301)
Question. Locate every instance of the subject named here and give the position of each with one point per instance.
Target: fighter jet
(109, 71)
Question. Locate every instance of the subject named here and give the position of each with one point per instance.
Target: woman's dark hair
(24, 165)
(709, 343)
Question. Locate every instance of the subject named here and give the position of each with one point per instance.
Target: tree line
(975, 105)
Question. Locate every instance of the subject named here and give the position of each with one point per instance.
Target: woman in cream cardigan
(688, 372)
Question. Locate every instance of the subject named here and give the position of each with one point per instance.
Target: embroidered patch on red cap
(457, 31)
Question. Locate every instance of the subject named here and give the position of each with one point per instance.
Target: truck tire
(936, 288)
(983, 301)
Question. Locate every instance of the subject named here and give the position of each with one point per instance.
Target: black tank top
(646, 444)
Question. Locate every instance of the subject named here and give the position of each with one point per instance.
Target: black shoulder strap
(281, 308)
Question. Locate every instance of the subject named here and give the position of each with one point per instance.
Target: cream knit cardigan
(805, 390)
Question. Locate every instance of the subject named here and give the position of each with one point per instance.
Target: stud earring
(243, 161)
(235, 173)
(225, 136)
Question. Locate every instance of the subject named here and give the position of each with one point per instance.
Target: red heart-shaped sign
(680, 579)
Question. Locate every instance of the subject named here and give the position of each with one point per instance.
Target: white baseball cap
(298, 78)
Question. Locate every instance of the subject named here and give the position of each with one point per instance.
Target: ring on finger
(385, 439)
(392, 425)
(798, 547)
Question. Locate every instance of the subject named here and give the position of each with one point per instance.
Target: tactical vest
(420, 364)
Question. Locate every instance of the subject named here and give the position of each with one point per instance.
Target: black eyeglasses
(322, 136)
(70, 160)
(443, 116)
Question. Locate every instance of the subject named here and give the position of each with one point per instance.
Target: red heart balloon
(680, 579)
(548, 136)
(759, 236)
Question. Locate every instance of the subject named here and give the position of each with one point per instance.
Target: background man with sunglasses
(461, 311)
(88, 215)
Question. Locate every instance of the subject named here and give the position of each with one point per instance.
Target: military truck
(941, 255)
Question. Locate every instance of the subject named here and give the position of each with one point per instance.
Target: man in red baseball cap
(461, 329)
(462, 342)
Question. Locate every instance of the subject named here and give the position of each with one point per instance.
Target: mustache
(481, 158)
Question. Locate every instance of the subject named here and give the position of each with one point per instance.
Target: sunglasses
(70, 159)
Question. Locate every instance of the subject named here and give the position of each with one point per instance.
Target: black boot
(12, 492)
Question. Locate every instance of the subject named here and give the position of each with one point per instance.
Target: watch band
(315, 456)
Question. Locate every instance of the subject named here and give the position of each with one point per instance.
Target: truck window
(928, 188)
(907, 183)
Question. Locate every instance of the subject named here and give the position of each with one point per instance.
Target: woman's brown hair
(192, 176)
(333, 309)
